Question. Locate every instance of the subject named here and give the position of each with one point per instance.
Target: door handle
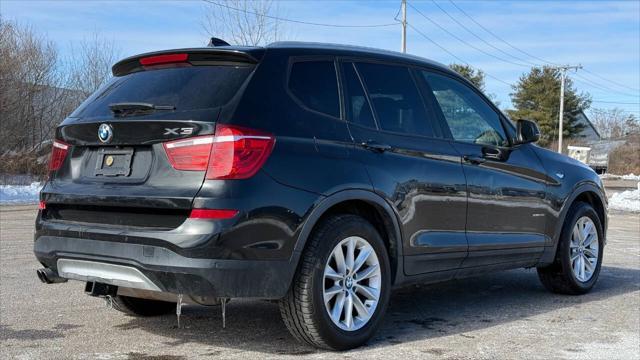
(472, 159)
(374, 146)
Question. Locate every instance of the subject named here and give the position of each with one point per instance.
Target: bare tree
(31, 87)
(91, 63)
(38, 90)
(243, 22)
(614, 123)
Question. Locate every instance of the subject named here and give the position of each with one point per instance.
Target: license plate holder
(114, 162)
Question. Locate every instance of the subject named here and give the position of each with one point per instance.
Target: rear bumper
(165, 269)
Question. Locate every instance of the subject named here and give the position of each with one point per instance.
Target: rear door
(120, 155)
(396, 135)
(506, 184)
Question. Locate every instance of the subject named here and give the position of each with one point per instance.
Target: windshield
(185, 88)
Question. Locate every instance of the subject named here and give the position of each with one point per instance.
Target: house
(594, 150)
(589, 133)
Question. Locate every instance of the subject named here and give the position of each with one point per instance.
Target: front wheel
(341, 289)
(579, 255)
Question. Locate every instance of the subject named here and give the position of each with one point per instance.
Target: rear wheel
(579, 255)
(142, 307)
(341, 289)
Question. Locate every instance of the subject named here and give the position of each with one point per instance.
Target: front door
(409, 163)
(506, 184)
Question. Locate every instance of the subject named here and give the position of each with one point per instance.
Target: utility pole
(563, 76)
(403, 9)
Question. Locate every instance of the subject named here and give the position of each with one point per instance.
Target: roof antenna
(215, 42)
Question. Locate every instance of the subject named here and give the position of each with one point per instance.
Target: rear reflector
(233, 153)
(59, 152)
(212, 214)
(163, 59)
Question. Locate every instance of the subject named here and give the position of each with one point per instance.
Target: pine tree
(536, 97)
(476, 77)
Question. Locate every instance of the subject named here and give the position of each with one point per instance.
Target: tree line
(39, 87)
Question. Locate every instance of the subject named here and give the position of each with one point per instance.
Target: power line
(299, 21)
(602, 87)
(603, 111)
(480, 38)
(454, 55)
(611, 81)
(615, 102)
(527, 53)
(464, 41)
(498, 37)
(584, 80)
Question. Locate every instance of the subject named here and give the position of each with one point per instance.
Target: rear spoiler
(199, 56)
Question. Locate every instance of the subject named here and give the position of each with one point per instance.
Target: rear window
(395, 99)
(314, 83)
(185, 88)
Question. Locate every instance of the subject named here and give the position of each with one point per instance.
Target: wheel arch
(370, 206)
(588, 193)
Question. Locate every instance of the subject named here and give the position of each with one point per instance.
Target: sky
(602, 36)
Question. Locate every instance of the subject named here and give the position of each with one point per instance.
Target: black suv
(319, 175)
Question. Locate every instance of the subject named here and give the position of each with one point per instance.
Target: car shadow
(415, 313)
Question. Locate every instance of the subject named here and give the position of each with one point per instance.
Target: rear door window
(315, 85)
(185, 88)
(395, 98)
(358, 108)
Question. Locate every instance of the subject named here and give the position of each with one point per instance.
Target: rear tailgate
(116, 162)
(132, 170)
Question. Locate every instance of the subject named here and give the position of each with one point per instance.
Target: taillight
(238, 153)
(189, 154)
(59, 152)
(232, 153)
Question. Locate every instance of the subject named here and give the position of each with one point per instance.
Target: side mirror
(526, 132)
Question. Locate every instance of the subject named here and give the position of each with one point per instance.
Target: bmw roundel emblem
(105, 133)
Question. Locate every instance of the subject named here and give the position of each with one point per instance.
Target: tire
(142, 307)
(560, 277)
(303, 308)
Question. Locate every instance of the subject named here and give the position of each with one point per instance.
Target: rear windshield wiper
(123, 108)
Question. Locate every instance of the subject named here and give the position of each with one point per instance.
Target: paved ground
(501, 316)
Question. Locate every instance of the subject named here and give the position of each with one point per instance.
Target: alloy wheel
(584, 249)
(352, 283)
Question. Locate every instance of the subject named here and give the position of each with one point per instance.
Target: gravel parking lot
(500, 316)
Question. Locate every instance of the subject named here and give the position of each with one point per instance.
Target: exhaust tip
(42, 276)
(48, 276)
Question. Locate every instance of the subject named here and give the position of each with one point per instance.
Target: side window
(395, 99)
(469, 117)
(314, 83)
(358, 109)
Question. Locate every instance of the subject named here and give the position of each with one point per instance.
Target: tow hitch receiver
(93, 288)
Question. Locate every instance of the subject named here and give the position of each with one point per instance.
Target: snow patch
(20, 194)
(623, 177)
(628, 200)
(630, 177)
